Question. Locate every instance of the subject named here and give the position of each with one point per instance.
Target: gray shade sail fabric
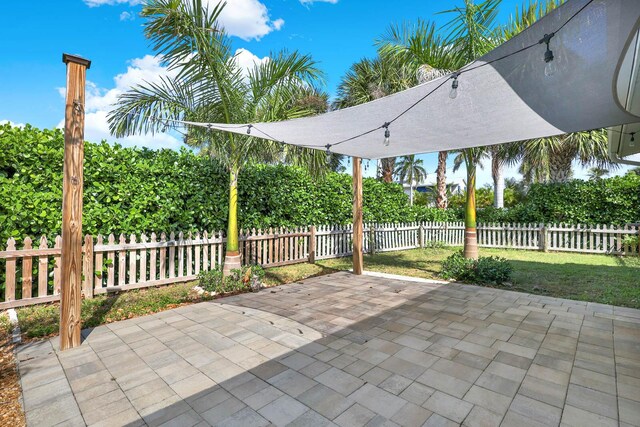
(503, 97)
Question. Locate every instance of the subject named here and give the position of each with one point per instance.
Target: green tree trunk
(470, 230)
(232, 256)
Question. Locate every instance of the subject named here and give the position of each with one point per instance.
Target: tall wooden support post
(71, 257)
(357, 216)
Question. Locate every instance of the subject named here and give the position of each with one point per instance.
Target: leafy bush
(484, 270)
(238, 281)
(131, 190)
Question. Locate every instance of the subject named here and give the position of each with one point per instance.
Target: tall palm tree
(411, 171)
(421, 47)
(471, 34)
(210, 86)
(550, 159)
(370, 79)
(472, 158)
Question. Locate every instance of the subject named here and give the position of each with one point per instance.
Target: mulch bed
(11, 413)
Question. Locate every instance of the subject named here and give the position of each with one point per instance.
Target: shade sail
(505, 96)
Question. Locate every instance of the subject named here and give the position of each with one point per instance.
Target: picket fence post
(312, 244)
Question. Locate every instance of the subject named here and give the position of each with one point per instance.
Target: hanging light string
(454, 77)
(548, 57)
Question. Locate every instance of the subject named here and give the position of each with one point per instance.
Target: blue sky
(109, 33)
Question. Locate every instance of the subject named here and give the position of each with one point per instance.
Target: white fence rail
(32, 276)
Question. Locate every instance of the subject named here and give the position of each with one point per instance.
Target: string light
(387, 134)
(328, 158)
(453, 93)
(632, 143)
(249, 129)
(550, 67)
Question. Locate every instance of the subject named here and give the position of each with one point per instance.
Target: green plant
(483, 270)
(238, 281)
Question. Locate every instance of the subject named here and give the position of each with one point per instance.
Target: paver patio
(348, 350)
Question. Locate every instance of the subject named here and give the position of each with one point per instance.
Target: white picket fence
(32, 276)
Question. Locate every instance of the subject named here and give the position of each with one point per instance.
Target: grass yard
(596, 278)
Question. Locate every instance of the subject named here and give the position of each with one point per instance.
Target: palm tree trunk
(560, 166)
(470, 230)
(441, 181)
(411, 193)
(232, 256)
(498, 181)
(388, 166)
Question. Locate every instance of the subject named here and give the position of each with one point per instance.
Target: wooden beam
(357, 216)
(72, 183)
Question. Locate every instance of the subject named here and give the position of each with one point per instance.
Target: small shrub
(457, 267)
(493, 270)
(484, 270)
(238, 281)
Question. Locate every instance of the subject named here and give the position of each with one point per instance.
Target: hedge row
(613, 200)
(131, 190)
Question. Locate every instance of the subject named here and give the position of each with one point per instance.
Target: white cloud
(96, 3)
(278, 24)
(127, 16)
(13, 124)
(247, 19)
(247, 60)
(99, 101)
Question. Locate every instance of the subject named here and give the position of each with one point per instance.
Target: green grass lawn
(596, 278)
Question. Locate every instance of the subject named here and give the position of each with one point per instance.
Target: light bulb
(387, 136)
(453, 93)
(632, 142)
(249, 129)
(328, 158)
(550, 68)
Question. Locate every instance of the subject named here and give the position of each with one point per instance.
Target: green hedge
(604, 201)
(130, 190)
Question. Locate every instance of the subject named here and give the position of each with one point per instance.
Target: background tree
(551, 159)
(471, 34)
(370, 79)
(210, 86)
(421, 48)
(471, 157)
(411, 171)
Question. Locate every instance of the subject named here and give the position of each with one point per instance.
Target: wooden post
(312, 245)
(71, 257)
(87, 270)
(357, 216)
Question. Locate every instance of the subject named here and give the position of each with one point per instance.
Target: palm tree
(420, 47)
(471, 34)
(410, 170)
(501, 156)
(209, 86)
(471, 157)
(370, 79)
(550, 159)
